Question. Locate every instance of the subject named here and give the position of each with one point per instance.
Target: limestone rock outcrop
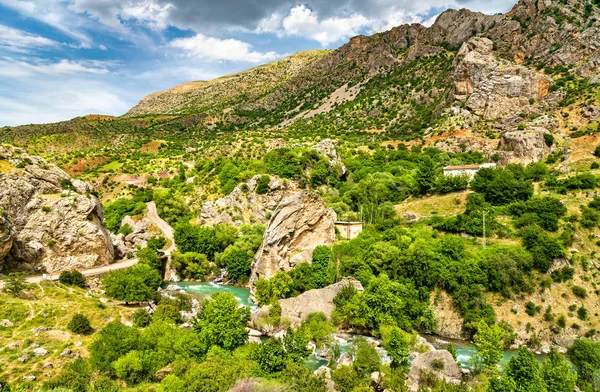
(50, 221)
(449, 322)
(296, 309)
(523, 146)
(300, 223)
(424, 363)
(326, 147)
(244, 205)
(491, 87)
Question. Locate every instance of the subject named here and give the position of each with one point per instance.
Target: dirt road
(162, 225)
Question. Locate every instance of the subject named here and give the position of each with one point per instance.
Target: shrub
(80, 324)
(72, 278)
(141, 318)
(579, 291)
(438, 364)
(262, 185)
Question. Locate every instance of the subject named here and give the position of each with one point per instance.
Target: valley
(197, 243)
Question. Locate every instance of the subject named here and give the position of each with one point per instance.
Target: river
(464, 350)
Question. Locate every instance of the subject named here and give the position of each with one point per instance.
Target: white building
(469, 170)
(349, 230)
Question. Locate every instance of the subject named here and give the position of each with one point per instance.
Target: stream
(464, 350)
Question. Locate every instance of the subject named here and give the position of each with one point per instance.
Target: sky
(60, 59)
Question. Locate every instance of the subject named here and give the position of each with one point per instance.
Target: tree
(321, 266)
(149, 257)
(191, 265)
(584, 354)
(113, 341)
(397, 345)
(14, 284)
(238, 264)
(489, 343)
(134, 284)
(426, 174)
(72, 278)
(524, 370)
(270, 355)
(221, 322)
(558, 374)
(295, 345)
(80, 324)
(366, 358)
(502, 384)
(130, 367)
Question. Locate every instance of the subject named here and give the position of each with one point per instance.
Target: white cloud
(10, 67)
(210, 48)
(304, 22)
(21, 41)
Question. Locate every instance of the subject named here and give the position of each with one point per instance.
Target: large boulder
(50, 221)
(523, 146)
(439, 362)
(244, 205)
(300, 223)
(494, 88)
(318, 300)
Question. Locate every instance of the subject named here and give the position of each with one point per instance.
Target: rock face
(319, 300)
(326, 148)
(494, 88)
(449, 321)
(246, 206)
(49, 220)
(523, 146)
(300, 223)
(429, 363)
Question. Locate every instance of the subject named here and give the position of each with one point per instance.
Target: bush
(579, 291)
(72, 278)
(80, 324)
(141, 318)
(262, 185)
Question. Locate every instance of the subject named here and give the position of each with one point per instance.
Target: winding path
(121, 264)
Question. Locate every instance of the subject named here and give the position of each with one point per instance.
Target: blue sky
(64, 58)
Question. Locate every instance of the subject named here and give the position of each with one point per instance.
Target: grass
(443, 205)
(6, 167)
(50, 305)
(110, 167)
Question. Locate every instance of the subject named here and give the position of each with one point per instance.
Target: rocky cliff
(49, 221)
(245, 205)
(300, 223)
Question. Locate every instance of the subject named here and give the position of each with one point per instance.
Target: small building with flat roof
(469, 170)
(349, 230)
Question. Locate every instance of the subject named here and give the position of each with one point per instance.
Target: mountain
(401, 80)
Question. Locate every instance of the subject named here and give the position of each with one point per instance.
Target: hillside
(261, 176)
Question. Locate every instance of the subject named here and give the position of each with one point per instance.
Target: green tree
(113, 341)
(238, 263)
(134, 284)
(489, 344)
(584, 354)
(524, 370)
(558, 374)
(270, 355)
(366, 358)
(191, 265)
(149, 257)
(130, 367)
(397, 345)
(321, 266)
(80, 324)
(427, 173)
(221, 322)
(14, 284)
